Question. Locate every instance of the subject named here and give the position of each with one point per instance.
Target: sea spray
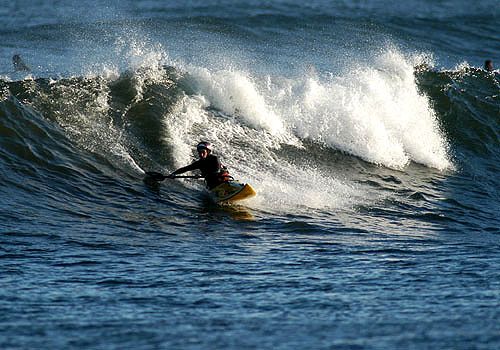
(235, 93)
(374, 112)
(252, 155)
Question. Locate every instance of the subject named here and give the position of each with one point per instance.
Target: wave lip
(375, 113)
(236, 94)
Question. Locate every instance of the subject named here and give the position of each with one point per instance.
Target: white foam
(235, 93)
(250, 154)
(375, 113)
(282, 185)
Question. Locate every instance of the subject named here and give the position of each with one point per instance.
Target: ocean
(369, 130)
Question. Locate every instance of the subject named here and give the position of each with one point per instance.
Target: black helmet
(204, 145)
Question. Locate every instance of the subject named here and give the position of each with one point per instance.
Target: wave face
(467, 100)
(288, 133)
(280, 129)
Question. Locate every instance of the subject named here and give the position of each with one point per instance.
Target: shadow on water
(236, 212)
(151, 184)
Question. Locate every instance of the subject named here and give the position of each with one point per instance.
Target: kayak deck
(231, 191)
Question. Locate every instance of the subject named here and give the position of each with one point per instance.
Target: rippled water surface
(370, 133)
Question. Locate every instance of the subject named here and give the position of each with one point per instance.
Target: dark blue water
(369, 130)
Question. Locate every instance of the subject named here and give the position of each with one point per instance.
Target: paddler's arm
(189, 167)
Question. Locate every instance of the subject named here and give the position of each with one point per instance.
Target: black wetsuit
(210, 168)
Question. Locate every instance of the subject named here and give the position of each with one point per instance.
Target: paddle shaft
(185, 177)
(160, 177)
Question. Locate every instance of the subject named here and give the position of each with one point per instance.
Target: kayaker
(211, 169)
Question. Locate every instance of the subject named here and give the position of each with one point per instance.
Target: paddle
(160, 177)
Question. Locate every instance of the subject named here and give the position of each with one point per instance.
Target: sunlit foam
(236, 94)
(251, 156)
(375, 113)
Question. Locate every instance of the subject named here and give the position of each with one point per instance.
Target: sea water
(369, 130)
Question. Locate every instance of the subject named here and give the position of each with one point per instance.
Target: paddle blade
(155, 176)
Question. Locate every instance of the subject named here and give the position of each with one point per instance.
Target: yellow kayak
(231, 191)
